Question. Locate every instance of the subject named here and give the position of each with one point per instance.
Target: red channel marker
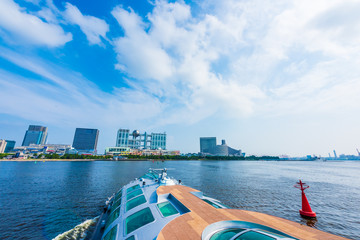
(305, 210)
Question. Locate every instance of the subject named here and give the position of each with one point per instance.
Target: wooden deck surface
(192, 224)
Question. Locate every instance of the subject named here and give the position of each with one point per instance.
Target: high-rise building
(9, 146)
(207, 143)
(123, 138)
(35, 135)
(136, 140)
(2, 145)
(85, 139)
(158, 141)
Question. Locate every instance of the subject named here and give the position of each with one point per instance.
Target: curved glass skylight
(116, 204)
(118, 195)
(114, 215)
(212, 203)
(135, 202)
(111, 235)
(167, 209)
(138, 219)
(251, 235)
(132, 194)
(241, 230)
(226, 234)
(132, 188)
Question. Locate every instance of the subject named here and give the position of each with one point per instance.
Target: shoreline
(139, 160)
(93, 160)
(48, 160)
(123, 160)
(159, 160)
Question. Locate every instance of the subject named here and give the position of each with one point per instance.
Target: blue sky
(279, 77)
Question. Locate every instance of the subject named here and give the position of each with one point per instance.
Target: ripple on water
(43, 200)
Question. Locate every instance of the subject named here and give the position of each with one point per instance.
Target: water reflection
(309, 222)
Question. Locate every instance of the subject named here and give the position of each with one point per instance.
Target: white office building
(2, 145)
(137, 140)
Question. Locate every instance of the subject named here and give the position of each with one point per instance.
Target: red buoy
(305, 210)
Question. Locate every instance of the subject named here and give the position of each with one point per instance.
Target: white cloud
(93, 27)
(225, 59)
(36, 2)
(139, 55)
(239, 58)
(49, 15)
(67, 99)
(28, 28)
(177, 52)
(298, 53)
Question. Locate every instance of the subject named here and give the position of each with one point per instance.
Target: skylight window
(135, 193)
(114, 215)
(226, 234)
(212, 203)
(138, 219)
(251, 235)
(132, 188)
(116, 204)
(167, 209)
(135, 202)
(149, 176)
(111, 235)
(118, 195)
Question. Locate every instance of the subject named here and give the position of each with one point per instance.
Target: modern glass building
(123, 138)
(35, 135)
(207, 143)
(136, 140)
(85, 139)
(158, 141)
(9, 146)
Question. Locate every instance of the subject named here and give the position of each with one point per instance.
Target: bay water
(47, 200)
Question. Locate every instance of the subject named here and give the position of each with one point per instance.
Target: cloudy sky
(270, 77)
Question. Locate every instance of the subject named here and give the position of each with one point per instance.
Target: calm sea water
(40, 200)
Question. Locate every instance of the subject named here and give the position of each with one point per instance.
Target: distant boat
(156, 206)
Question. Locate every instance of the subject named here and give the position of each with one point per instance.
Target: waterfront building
(43, 149)
(208, 147)
(117, 151)
(207, 143)
(158, 141)
(2, 145)
(121, 151)
(85, 140)
(9, 146)
(122, 139)
(136, 140)
(35, 135)
(148, 152)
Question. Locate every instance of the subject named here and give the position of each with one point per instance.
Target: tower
(207, 143)
(85, 139)
(35, 135)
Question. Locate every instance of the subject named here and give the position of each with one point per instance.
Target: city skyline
(270, 78)
(213, 140)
